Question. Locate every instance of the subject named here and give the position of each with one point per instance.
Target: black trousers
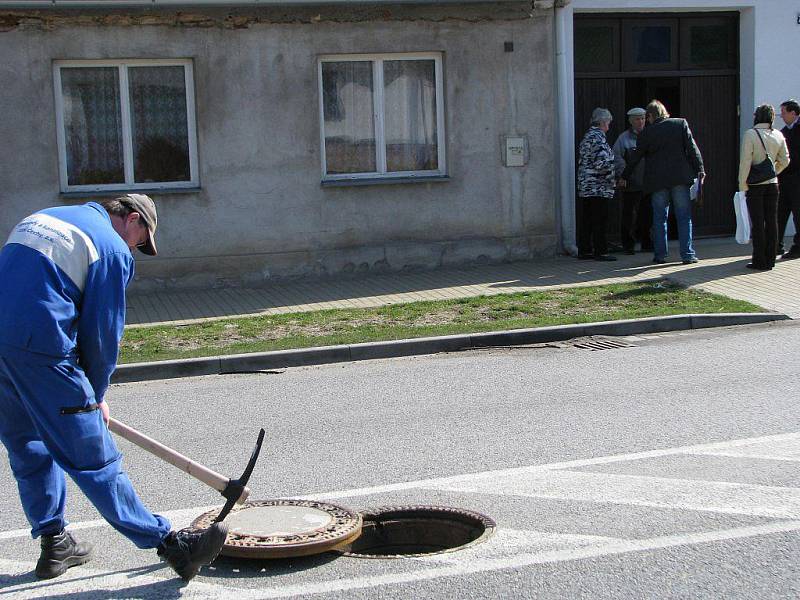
(762, 204)
(789, 204)
(592, 231)
(637, 220)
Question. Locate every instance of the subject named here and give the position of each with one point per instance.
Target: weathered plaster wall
(261, 212)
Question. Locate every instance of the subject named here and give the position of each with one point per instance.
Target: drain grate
(599, 343)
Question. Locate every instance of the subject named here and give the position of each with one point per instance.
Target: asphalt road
(663, 469)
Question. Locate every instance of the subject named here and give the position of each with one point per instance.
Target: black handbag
(760, 172)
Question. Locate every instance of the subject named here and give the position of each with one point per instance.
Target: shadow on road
(161, 590)
(170, 587)
(238, 568)
(164, 589)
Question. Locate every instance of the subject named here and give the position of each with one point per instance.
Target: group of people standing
(655, 162)
(651, 166)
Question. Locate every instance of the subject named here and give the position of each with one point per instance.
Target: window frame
(379, 115)
(127, 124)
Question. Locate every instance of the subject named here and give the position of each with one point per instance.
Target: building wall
(261, 212)
(767, 29)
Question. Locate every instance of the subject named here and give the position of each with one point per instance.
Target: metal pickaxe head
(236, 491)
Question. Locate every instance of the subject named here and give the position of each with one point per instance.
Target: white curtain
(347, 91)
(410, 117)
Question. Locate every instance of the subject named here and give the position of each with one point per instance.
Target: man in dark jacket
(672, 163)
(789, 180)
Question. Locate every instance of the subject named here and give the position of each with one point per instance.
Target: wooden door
(605, 93)
(710, 104)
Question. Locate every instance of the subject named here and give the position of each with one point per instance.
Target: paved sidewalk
(720, 270)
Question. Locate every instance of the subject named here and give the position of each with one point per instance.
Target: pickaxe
(235, 491)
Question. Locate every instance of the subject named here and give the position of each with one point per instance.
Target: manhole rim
(489, 527)
(314, 541)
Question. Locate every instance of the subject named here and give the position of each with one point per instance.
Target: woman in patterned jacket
(596, 185)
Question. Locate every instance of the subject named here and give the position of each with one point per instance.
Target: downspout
(565, 101)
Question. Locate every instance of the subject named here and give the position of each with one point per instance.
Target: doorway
(689, 61)
(640, 90)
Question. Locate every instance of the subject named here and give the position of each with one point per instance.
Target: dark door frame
(617, 21)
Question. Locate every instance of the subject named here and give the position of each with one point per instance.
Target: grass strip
(421, 319)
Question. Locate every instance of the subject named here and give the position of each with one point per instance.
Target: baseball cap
(146, 208)
(636, 112)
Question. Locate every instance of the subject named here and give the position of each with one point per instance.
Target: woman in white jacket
(762, 198)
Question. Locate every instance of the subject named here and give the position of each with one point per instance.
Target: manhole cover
(402, 531)
(285, 528)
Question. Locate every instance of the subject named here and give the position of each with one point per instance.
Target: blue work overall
(63, 275)
(50, 424)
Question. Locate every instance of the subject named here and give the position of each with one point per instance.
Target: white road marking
(750, 455)
(508, 542)
(571, 464)
(784, 450)
(511, 549)
(527, 560)
(660, 492)
(784, 440)
(504, 543)
(86, 580)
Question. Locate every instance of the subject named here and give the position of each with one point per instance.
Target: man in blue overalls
(63, 274)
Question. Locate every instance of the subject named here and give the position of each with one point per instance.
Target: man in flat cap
(63, 275)
(636, 211)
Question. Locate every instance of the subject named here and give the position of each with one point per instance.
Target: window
(382, 116)
(596, 45)
(709, 43)
(125, 125)
(650, 45)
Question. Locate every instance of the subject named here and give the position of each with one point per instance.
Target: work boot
(187, 551)
(59, 553)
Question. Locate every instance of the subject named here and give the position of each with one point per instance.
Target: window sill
(383, 181)
(117, 193)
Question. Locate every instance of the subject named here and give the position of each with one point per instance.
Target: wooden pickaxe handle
(185, 464)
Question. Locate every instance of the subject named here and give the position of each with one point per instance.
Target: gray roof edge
(111, 4)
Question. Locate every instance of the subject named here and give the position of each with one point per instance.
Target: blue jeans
(679, 195)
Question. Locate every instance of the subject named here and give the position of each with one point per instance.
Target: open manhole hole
(403, 531)
(285, 528)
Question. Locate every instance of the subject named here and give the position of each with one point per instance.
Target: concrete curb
(247, 363)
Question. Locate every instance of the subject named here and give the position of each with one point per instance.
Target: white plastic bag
(789, 228)
(694, 191)
(742, 218)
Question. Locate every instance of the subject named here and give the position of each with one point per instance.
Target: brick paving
(720, 270)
